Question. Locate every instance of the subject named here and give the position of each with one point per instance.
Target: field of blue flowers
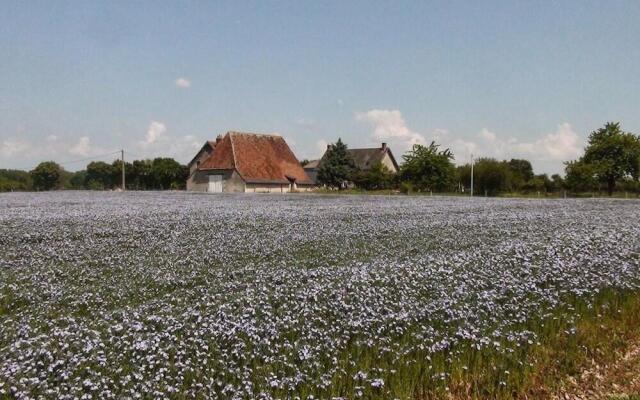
(176, 295)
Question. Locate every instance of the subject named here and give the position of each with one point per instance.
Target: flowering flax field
(175, 295)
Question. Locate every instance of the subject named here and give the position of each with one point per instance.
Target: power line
(135, 155)
(89, 158)
(119, 152)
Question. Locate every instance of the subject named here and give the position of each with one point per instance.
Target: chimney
(218, 139)
(383, 147)
(329, 146)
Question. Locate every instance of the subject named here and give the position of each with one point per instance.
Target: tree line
(611, 162)
(156, 174)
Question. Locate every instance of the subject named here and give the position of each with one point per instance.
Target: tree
(547, 183)
(377, 177)
(337, 166)
(428, 168)
(490, 176)
(558, 182)
(463, 175)
(629, 185)
(167, 173)
(141, 178)
(47, 176)
(11, 180)
(117, 173)
(521, 173)
(535, 184)
(100, 175)
(580, 176)
(78, 180)
(522, 167)
(613, 154)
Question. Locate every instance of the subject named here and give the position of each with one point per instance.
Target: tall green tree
(100, 175)
(490, 176)
(47, 176)
(141, 177)
(428, 168)
(613, 154)
(522, 172)
(167, 173)
(337, 167)
(78, 180)
(580, 176)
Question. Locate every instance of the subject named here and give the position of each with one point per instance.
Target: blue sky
(499, 79)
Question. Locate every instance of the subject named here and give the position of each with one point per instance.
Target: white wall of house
(268, 188)
(276, 188)
(232, 182)
(387, 162)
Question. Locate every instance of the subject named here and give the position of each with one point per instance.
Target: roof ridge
(254, 134)
(233, 151)
(259, 158)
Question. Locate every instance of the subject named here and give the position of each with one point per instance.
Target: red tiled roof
(257, 158)
(221, 157)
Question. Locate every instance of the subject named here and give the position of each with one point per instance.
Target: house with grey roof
(363, 158)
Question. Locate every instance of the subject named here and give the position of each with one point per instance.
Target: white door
(215, 184)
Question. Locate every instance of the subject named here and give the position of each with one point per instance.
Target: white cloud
(183, 83)
(546, 153)
(307, 150)
(12, 147)
(82, 147)
(158, 143)
(563, 144)
(156, 129)
(189, 143)
(181, 148)
(460, 147)
(321, 146)
(52, 138)
(487, 135)
(390, 126)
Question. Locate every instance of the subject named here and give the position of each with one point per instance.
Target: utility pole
(471, 174)
(123, 183)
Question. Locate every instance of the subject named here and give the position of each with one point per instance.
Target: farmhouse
(246, 162)
(363, 158)
(311, 168)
